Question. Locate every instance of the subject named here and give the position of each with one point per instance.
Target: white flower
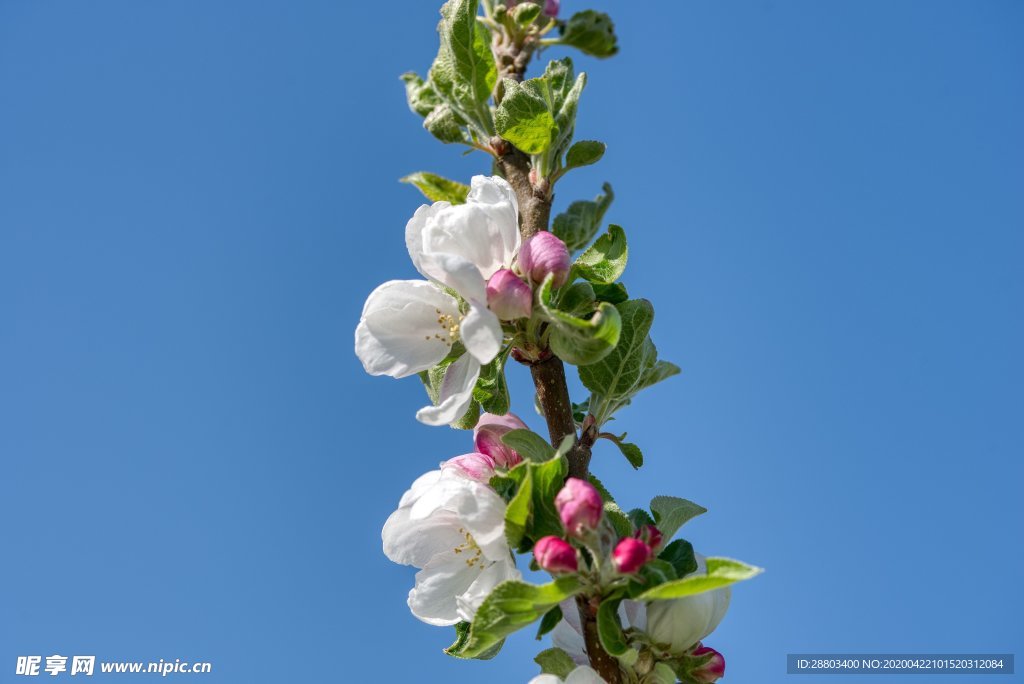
(581, 675)
(678, 623)
(453, 529)
(409, 326)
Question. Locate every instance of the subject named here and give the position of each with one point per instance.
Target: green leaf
(632, 453)
(579, 340)
(593, 33)
(529, 445)
(609, 629)
(517, 513)
(491, 388)
(721, 573)
(523, 117)
(606, 495)
(555, 661)
(466, 45)
(671, 513)
(605, 260)
(461, 638)
(578, 299)
(578, 225)
(438, 188)
(549, 622)
(639, 517)
(420, 94)
(584, 153)
(510, 607)
(619, 372)
(445, 125)
(613, 293)
(680, 554)
(617, 519)
(655, 373)
(652, 574)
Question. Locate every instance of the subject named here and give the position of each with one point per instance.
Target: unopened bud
(579, 506)
(630, 555)
(555, 555)
(712, 669)
(487, 438)
(478, 467)
(508, 296)
(544, 253)
(551, 8)
(650, 535)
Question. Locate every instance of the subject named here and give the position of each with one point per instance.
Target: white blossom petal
(404, 328)
(411, 541)
(434, 599)
(469, 601)
(683, 622)
(455, 395)
(481, 333)
(546, 679)
(479, 509)
(498, 198)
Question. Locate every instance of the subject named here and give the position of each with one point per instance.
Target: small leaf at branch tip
(437, 188)
(584, 153)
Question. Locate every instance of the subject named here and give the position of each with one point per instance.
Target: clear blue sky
(824, 201)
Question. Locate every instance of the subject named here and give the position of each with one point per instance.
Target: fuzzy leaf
(721, 573)
(579, 340)
(438, 188)
(523, 117)
(555, 661)
(605, 261)
(619, 372)
(578, 224)
(510, 607)
(529, 444)
(584, 153)
(593, 33)
(467, 47)
(671, 513)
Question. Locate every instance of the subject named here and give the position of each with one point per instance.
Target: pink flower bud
(555, 555)
(713, 669)
(508, 296)
(544, 253)
(479, 467)
(579, 506)
(630, 554)
(551, 7)
(487, 437)
(650, 535)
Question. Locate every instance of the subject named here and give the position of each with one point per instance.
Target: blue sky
(823, 201)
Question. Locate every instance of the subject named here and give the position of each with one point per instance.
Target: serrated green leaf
(592, 33)
(579, 340)
(555, 661)
(529, 445)
(461, 638)
(671, 513)
(721, 573)
(523, 117)
(605, 260)
(511, 606)
(681, 556)
(467, 46)
(655, 373)
(517, 513)
(619, 372)
(632, 453)
(584, 153)
(438, 188)
(606, 495)
(578, 225)
(445, 125)
(549, 622)
(613, 293)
